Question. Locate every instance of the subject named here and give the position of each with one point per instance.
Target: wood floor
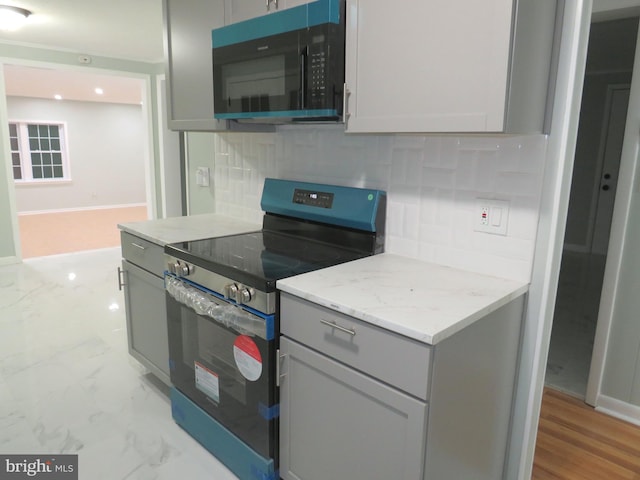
(577, 443)
(74, 231)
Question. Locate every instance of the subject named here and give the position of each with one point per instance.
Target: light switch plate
(491, 216)
(202, 176)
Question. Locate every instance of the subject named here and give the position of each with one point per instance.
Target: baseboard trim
(618, 409)
(82, 209)
(9, 260)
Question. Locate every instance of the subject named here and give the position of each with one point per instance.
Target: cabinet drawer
(143, 253)
(396, 360)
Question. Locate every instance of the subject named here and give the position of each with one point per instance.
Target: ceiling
(130, 29)
(125, 29)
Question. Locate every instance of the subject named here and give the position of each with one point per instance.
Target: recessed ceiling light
(99, 91)
(12, 18)
(57, 97)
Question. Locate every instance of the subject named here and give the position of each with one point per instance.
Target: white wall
(432, 183)
(106, 154)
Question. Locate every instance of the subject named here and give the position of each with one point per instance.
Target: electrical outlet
(491, 216)
(484, 215)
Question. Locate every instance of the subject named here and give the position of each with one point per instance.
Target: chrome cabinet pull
(345, 103)
(138, 246)
(120, 279)
(279, 375)
(350, 331)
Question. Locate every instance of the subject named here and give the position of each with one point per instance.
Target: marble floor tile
(68, 384)
(574, 322)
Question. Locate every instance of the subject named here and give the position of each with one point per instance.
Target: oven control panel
(313, 198)
(224, 287)
(351, 207)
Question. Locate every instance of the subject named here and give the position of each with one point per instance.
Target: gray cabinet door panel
(337, 423)
(188, 62)
(147, 319)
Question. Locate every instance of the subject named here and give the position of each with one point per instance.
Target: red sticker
(247, 357)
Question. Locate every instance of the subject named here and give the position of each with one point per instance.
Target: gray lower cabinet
(143, 283)
(332, 419)
(360, 402)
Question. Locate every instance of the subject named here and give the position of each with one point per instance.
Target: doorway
(99, 127)
(603, 114)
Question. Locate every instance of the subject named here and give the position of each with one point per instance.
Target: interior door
(617, 103)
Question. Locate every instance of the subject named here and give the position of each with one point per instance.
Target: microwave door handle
(303, 79)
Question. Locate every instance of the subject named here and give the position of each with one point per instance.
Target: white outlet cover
(491, 216)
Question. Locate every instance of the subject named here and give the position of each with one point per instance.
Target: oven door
(222, 357)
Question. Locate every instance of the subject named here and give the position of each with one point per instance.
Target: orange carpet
(67, 232)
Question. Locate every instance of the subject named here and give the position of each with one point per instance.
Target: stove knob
(171, 267)
(231, 291)
(184, 270)
(245, 295)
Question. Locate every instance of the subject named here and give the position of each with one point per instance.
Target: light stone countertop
(183, 229)
(420, 300)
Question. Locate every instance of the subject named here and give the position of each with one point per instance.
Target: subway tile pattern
(432, 183)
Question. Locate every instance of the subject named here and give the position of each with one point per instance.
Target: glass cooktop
(258, 259)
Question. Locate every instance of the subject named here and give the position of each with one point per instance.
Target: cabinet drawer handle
(120, 279)
(279, 358)
(350, 331)
(345, 104)
(138, 246)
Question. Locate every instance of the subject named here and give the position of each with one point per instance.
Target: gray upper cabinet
(443, 66)
(239, 10)
(188, 63)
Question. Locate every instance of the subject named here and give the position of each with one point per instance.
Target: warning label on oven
(207, 382)
(248, 358)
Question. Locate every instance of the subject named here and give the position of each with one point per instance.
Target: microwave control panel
(318, 72)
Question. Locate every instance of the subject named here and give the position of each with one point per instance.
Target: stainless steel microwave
(286, 66)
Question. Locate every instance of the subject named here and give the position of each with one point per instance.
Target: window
(37, 152)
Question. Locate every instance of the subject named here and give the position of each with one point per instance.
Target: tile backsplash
(431, 181)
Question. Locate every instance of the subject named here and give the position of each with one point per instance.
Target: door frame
(621, 212)
(148, 116)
